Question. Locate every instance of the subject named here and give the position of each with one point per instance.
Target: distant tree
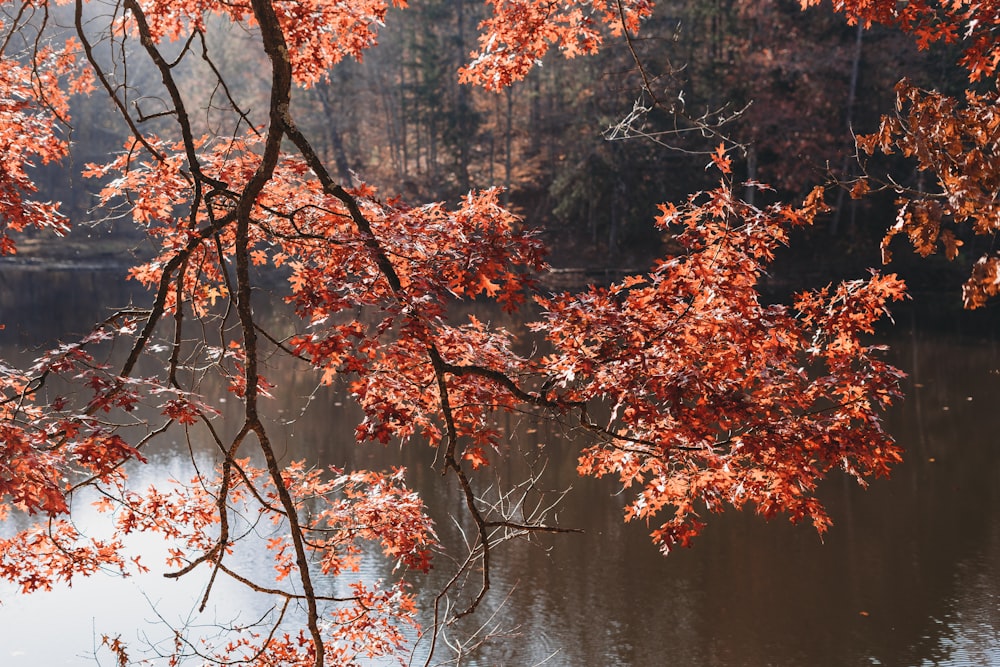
(713, 397)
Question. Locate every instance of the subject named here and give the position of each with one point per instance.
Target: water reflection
(908, 575)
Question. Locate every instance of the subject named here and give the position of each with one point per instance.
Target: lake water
(908, 575)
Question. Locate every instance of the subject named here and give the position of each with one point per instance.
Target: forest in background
(695, 390)
(584, 153)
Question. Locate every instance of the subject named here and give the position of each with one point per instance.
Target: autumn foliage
(695, 392)
(954, 141)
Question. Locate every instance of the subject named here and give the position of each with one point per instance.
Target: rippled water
(908, 575)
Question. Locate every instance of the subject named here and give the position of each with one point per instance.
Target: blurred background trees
(580, 146)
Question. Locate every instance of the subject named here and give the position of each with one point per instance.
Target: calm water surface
(908, 575)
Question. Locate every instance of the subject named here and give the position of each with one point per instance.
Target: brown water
(908, 575)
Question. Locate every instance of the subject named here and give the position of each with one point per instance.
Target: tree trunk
(852, 92)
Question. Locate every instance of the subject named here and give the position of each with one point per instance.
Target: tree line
(586, 148)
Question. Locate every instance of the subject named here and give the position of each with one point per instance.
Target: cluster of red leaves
(368, 506)
(45, 449)
(29, 475)
(319, 33)
(363, 630)
(520, 32)
(338, 512)
(343, 510)
(958, 143)
(438, 254)
(955, 140)
(152, 178)
(48, 449)
(715, 397)
(974, 24)
(398, 393)
(32, 102)
(37, 558)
